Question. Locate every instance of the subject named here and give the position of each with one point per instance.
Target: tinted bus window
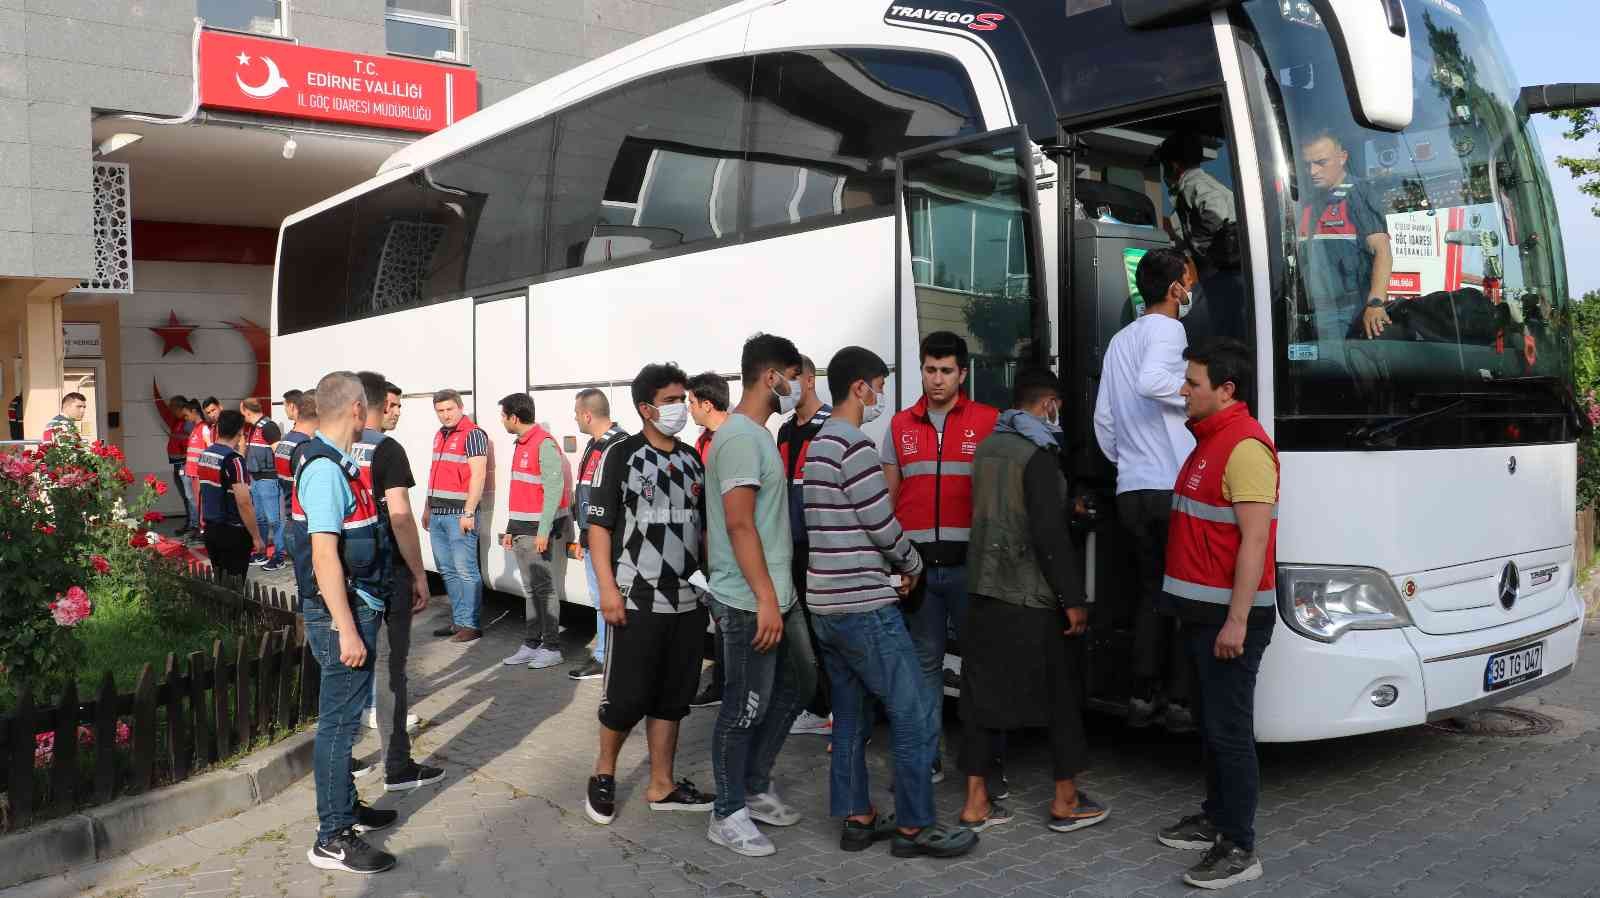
(827, 124)
(313, 262)
(652, 165)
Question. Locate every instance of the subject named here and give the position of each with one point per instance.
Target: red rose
(150, 480)
(101, 565)
(137, 540)
(161, 487)
(154, 517)
(47, 529)
(125, 475)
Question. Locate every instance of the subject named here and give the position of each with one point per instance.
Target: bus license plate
(1513, 667)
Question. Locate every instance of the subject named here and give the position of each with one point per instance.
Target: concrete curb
(130, 823)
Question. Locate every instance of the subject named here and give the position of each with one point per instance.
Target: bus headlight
(1324, 602)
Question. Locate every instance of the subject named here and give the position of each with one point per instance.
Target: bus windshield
(1410, 270)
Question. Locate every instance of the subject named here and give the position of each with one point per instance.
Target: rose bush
(69, 528)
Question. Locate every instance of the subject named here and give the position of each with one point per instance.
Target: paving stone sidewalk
(1419, 812)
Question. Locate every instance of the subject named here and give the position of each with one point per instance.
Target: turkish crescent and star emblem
(274, 82)
(175, 337)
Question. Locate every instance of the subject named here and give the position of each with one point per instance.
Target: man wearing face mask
(1140, 424)
(767, 662)
(1022, 646)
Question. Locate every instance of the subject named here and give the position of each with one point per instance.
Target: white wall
(207, 297)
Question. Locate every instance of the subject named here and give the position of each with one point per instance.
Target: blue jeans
(943, 611)
(190, 511)
(599, 619)
(344, 694)
(1225, 714)
(763, 694)
(269, 509)
(456, 555)
(870, 655)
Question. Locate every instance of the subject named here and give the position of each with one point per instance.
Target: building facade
(149, 150)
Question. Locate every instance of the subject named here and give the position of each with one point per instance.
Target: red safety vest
(283, 457)
(527, 484)
(451, 476)
(702, 445)
(1203, 536)
(199, 439)
(176, 439)
(1334, 223)
(364, 449)
(934, 503)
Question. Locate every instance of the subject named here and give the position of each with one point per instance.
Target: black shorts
(652, 667)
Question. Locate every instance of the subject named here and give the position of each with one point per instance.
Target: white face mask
(870, 413)
(671, 418)
(1187, 304)
(786, 404)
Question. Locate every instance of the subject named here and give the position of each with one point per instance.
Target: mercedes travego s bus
(842, 172)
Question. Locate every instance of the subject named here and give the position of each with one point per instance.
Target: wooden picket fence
(1585, 547)
(195, 712)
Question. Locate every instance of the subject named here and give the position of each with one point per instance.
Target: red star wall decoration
(174, 335)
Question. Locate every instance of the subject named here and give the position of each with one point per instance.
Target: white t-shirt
(1138, 414)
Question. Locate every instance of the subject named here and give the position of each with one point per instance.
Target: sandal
(859, 836)
(934, 841)
(1087, 812)
(998, 814)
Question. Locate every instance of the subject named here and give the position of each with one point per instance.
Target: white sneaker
(371, 718)
(412, 720)
(768, 808)
(808, 724)
(543, 657)
(523, 656)
(738, 833)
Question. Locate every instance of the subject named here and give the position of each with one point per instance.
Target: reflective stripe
(526, 478)
(1223, 514)
(946, 534)
(1215, 595)
(531, 517)
(447, 456)
(447, 494)
(930, 468)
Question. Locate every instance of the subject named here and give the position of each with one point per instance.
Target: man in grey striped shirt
(855, 542)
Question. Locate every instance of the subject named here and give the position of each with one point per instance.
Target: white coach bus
(847, 172)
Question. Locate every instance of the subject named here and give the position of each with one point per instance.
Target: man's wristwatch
(1374, 303)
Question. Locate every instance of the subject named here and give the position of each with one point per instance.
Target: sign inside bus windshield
(257, 75)
(946, 18)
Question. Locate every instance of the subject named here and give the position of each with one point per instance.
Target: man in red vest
(927, 461)
(455, 487)
(200, 438)
(1221, 576)
(538, 528)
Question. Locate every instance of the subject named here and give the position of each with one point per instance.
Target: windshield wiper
(1386, 435)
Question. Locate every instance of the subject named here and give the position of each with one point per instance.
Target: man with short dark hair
(343, 584)
(646, 530)
(203, 435)
(856, 545)
(1221, 576)
(1022, 647)
(261, 433)
(591, 411)
(766, 653)
(386, 471)
(708, 408)
(927, 462)
(455, 487)
(538, 521)
(291, 405)
(794, 438)
(68, 422)
(232, 534)
(1346, 254)
(1140, 426)
(283, 458)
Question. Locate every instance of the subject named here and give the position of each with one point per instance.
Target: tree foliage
(1582, 123)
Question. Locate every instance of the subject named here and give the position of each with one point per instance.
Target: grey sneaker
(525, 653)
(543, 658)
(1178, 719)
(1224, 865)
(768, 808)
(1192, 833)
(738, 833)
(1141, 713)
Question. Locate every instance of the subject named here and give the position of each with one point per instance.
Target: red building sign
(280, 78)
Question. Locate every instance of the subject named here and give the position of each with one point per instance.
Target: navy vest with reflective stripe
(363, 544)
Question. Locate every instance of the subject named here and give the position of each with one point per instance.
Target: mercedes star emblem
(1510, 583)
(1511, 466)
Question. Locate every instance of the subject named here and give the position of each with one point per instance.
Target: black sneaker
(276, 563)
(589, 669)
(258, 559)
(1224, 865)
(684, 797)
(359, 769)
(370, 820)
(1192, 833)
(350, 853)
(601, 803)
(711, 695)
(411, 776)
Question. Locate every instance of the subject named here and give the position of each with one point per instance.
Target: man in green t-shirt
(768, 666)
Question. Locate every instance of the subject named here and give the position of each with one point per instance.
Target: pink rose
(71, 610)
(44, 749)
(124, 735)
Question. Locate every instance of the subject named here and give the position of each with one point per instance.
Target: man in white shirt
(1139, 423)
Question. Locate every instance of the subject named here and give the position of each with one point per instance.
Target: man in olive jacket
(1022, 653)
